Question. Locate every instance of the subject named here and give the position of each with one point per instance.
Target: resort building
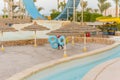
(110, 11)
(14, 9)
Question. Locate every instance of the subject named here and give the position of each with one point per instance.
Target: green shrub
(88, 17)
(118, 26)
(54, 15)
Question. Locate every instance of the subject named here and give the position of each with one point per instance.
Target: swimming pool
(23, 35)
(75, 69)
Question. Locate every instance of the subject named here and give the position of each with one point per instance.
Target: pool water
(75, 69)
(22, 35)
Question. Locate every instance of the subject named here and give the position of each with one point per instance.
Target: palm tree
(21, 11)
(40, 8)
(34, 0)
(116, 2)
(96, 10)
(89, 9)
(102, 1)
(85, 4)
(58, 5)
(53, 10)
(5, 9)
(64, 1)
(106, 6)
(62, 5)
(101, 5)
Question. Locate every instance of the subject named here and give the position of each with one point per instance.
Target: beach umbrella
(10, 21)
(5, 28)
(71, 25)
(79, 28)
(73, 30)
(109, 19)
(82, 30)
(15, 21)
(65, 32)
(35, 27)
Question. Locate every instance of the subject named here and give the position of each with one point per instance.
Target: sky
(52, 4)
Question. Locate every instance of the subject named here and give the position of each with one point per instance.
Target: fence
(45, 41)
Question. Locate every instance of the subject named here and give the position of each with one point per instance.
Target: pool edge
(30, 71)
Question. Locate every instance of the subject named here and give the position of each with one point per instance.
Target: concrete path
(18, 58)
(107, 71)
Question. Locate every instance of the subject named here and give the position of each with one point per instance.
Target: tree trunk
(105, 12)
(58, 4)
(116, 9)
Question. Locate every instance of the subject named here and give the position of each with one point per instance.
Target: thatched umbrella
(5, 28)
(71, 25)
(15, 21)
(79, 28)
(10, 21)
(64, 32)
(75, 26)
(73, 31)
(83, 30)
(35, 27)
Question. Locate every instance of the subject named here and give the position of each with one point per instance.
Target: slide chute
(34, 13)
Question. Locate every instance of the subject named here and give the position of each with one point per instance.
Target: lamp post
(58, 4)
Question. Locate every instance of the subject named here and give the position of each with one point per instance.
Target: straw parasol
(71, 25)
(35, 27)
(108, 19)
(73, 29)
(81, 29)
(15, 21)
(75, 26)
(5, 28)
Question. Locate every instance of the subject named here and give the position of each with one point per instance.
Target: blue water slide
(34, 13)
(68, 9)
(31, 9)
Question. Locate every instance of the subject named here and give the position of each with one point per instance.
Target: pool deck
(107, 71)
(16, 59)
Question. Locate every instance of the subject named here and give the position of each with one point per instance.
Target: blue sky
(48, 5)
